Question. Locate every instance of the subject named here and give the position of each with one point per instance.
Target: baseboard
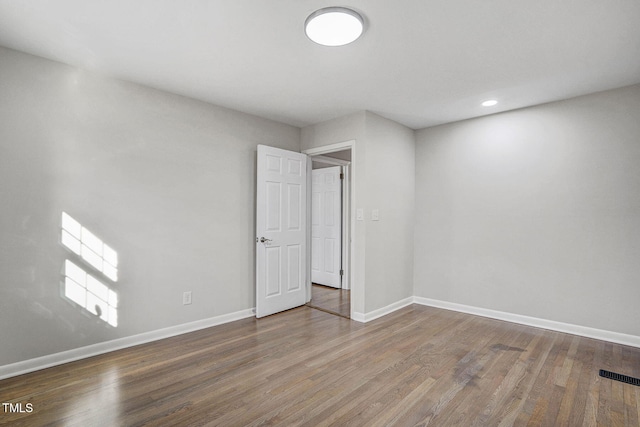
(26, 366)
(372, 315)
(599, 334)
(358, 317)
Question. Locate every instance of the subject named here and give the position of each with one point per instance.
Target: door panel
(273, 190)
(273, 271)
(295, 206)
(281, 230)
(295, 268)
(329, 255)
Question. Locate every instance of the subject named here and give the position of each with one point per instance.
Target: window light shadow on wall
(92, 250)
(81, 287)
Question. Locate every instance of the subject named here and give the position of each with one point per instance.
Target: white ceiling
(420, 62)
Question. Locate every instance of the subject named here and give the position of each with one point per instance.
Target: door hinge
(342, 272)
(341, 175)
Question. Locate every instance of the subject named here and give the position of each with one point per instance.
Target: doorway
(283, 229)
(329, 232)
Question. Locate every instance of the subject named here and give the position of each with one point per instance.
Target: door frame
(348, 213)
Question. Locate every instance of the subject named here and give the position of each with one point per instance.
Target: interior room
(475, 232)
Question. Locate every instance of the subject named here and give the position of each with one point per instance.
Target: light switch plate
(360, 214)
(375, 215)
(186, 298)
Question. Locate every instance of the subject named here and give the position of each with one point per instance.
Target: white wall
(535, 211)
(166, 181)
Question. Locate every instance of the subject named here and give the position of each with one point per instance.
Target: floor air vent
(619, 377)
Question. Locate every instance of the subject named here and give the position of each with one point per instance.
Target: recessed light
(489, 103)
(334, 26)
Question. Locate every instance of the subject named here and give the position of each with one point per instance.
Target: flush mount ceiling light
(334, 26)
(489, 103)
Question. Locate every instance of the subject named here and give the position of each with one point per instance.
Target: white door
(326, 226)
(281, 230)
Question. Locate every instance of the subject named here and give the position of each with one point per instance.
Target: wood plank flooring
(331, 300)
(304, 367)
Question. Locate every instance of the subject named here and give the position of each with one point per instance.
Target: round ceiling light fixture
(489, 103)
(334, 26)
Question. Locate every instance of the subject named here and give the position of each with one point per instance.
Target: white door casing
(352, 264)
(281, 230)
(326, 226)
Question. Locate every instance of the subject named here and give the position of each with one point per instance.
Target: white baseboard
(358, 317)
(584, 331)
(26, 366)
(372, 315)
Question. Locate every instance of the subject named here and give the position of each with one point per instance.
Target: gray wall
(385, 178)
(348, 128)
(535, 211)
(166, 181)
(390, 182)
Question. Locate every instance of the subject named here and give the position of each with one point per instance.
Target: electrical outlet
(186, 298)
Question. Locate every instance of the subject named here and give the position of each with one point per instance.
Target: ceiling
(419, 62)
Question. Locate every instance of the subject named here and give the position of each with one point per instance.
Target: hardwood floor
(416, 366)
(331, 300)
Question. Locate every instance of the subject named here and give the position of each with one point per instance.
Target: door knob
(265, 240)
